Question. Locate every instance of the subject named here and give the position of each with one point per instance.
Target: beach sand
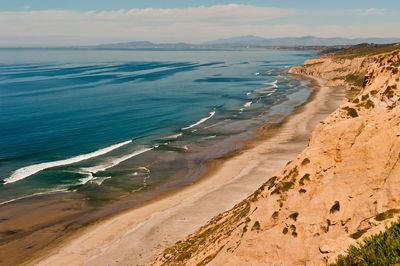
(135, 236)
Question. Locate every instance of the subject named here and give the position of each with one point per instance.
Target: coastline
(171, 217)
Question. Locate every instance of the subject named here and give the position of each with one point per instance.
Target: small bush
(386, 215)
(285, 230)
(305, 161)
(294, 216)
(305, 177)
(364, 97)
(256, 226)
(369, 104)
(275, 215)
(380, 249)
(271, 182)
(335, 207)
(282, 187)
(356, 79)
(359, 233)
(351, 111)
(389, 92)
(302, 190)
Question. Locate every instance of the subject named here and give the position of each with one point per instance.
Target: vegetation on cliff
(339, 191)
(380, 249)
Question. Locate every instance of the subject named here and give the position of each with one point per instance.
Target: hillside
(249, 41)
(341, 189)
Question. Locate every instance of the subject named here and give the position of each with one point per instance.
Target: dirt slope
(343, 187)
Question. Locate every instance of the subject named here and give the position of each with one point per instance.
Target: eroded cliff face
(342, 188)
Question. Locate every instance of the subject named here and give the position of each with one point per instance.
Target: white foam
(257, 73)
(248, 93)
(24, 172)
(175, 136)
(84, 180)
(248, 104)
(99, 180)
(204, 119)
(275, 83)
(114, 162)
(34, 194)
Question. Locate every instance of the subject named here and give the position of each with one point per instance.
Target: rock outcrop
(342, 188)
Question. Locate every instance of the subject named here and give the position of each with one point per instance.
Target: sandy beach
(134, 237)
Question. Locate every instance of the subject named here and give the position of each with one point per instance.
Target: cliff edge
(343, 187)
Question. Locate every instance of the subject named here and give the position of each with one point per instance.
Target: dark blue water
(124, 112)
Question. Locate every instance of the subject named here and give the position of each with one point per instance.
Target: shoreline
(144, 231)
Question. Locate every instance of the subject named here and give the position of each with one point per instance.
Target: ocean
(109, 124)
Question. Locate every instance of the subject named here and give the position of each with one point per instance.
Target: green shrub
(294, 216)
(386, 215)
(356, 79)
(305, 161)
(380, 249)
(305, 177)
(282, 187)
(256, 226)
(369, 104)
(359, 233)
(275, 215)
(351, 111)
(302, 190)
(335, 207)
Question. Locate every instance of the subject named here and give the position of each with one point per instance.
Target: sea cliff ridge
(341, 189)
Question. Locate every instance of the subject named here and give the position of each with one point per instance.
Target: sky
(78, 22)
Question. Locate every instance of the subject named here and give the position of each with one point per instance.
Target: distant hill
(298, 41)
(249, 41)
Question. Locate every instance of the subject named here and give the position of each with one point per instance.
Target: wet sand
(135, 236)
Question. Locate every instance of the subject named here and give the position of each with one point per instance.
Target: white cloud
(373, 11)
(193, 24)
(178, 24)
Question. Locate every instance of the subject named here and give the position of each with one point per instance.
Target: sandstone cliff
(343, 187)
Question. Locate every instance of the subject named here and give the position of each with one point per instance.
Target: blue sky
(50, 22)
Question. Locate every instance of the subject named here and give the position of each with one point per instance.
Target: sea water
(107, 123)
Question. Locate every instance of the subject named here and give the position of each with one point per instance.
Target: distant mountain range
(251, 41)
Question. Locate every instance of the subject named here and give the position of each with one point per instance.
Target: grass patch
(335, 207)
(365, 49)
(386, 215)
(256, 226)
(389, 92)
(294, 216)
(305, 177)
(380, 249)
(305, 161)
(367, 104)
(275, 215)
(356, 79)
(351, 111)
(271, 182)
(282, 187)
(359, 233)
